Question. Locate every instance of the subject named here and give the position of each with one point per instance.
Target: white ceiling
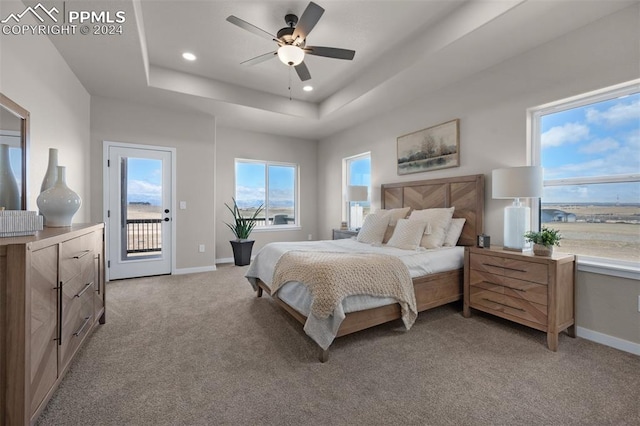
(404, 49)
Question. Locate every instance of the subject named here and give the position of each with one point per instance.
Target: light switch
(183, 205)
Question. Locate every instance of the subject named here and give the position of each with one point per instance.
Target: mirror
(14, 139)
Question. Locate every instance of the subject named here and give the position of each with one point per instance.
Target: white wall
(34, 75)
(492, 108)
(234, 143)
(193, 136)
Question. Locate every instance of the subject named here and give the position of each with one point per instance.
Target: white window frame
(296, 191)
(346, 178)
(605, 266)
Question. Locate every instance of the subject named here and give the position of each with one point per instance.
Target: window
(356, 172)
(274, 186)
(589, 147)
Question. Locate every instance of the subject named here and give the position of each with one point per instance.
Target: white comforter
(295, 294)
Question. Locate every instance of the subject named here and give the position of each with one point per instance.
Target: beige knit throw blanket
(330, 277)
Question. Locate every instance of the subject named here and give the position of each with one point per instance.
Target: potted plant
(543, 241)
(241, 228)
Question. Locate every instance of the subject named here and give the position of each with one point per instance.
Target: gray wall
(234, 143)
(492, 108)
(34, 75)
(193, 136)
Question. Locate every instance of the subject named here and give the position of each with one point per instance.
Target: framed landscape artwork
(433, 148)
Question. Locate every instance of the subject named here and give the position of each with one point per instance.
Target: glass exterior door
(139, 213)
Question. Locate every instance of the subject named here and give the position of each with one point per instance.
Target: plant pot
(542, 250)
(242, 251)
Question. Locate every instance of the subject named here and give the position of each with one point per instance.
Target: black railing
(144, 235)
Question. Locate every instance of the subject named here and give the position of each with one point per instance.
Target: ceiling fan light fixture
(290, 55)
(307, 88)
(189, 56)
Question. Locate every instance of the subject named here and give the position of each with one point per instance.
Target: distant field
(599, 232)
(599, 212)
(143, 211)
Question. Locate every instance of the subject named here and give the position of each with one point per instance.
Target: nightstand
(536, 291)
(340, 234)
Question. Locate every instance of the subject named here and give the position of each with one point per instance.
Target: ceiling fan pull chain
(290, 82)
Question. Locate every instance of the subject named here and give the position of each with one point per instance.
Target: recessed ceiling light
(307, 88)
(189, 56)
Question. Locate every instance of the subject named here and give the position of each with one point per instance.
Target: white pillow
(373, 229)
(394, 216)
(407, 234)
(439, 221)
(454, 231)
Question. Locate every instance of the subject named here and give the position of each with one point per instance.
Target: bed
(443, 285)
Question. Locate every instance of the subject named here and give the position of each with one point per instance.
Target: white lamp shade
(517, 182)
(357, 193)
(290, 55)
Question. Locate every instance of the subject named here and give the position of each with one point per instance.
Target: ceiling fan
(292, 41)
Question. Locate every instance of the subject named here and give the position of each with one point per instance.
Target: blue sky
(595, 140)
(144, 180)
(251, 183)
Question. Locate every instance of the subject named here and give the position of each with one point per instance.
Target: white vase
(9, 192)
(58, 204)
(52, 170)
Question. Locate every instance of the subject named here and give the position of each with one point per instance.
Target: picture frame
(433, 148)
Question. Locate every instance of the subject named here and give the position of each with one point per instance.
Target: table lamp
(516, 183)
(355, 194)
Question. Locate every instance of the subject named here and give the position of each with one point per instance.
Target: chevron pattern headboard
(465, 193)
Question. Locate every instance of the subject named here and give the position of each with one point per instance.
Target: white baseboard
(229, 260)
(183, 271)
(605, 339)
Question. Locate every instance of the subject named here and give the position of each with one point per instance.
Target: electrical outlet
(201, 248)
(309, 237)
(183, 205)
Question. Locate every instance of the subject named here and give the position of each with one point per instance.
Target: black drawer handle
(503, 304)
(505, 286)
(81, 255)
(84, 324)
(505, 267)
(86, 287)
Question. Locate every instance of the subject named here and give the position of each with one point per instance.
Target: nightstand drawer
(528, 271)
(339, 234)
(497, 303)
(513, 287)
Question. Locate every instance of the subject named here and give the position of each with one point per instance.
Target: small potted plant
(543, 241)
(241, 228)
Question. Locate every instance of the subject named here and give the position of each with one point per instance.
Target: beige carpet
(201, 349)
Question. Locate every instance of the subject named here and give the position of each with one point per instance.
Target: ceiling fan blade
(251, 28)
(308, 20)
(330, 52)
(258, 59)
(303, 71)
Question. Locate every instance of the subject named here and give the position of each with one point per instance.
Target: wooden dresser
(536, 291)
(52, 294)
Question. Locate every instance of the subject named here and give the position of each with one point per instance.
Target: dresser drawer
(75, 256)
(77, 318)
(520, 289)
(497, 303)
(513, 268)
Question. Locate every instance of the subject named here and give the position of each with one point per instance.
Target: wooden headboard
(465, 193)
